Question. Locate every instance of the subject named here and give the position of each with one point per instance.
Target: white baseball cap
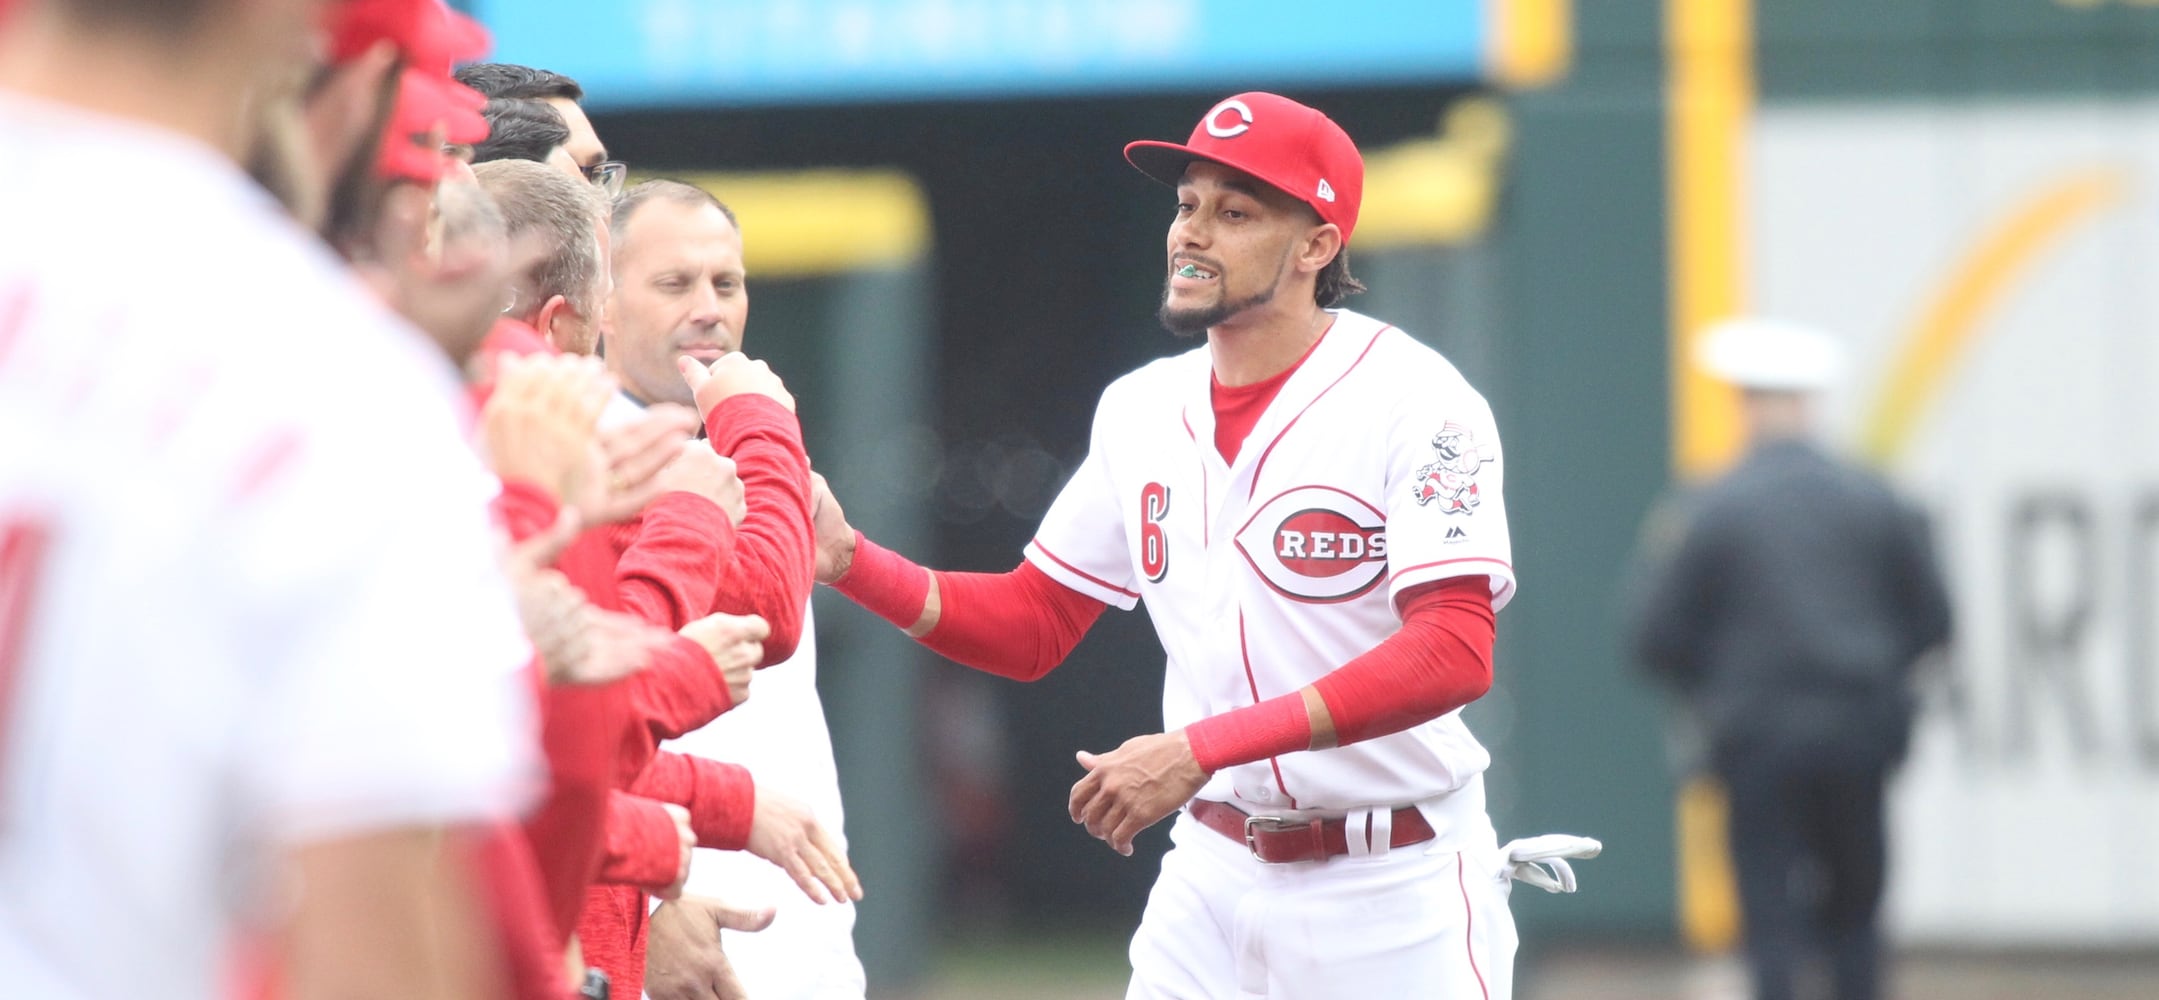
(1770, 354)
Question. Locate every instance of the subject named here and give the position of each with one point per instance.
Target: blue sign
(644, 53)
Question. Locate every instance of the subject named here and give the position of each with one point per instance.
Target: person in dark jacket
(1788, 614)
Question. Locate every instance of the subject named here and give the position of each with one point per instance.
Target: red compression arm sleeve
(1019, 624)
(1440, 660)
(775, 550)
(721, 797)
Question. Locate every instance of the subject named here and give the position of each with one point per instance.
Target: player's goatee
(1192, 322)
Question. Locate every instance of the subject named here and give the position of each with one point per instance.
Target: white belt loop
(1368, 833)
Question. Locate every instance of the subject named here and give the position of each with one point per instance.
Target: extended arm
(1019, 624)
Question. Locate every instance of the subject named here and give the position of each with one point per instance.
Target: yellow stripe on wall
(1710, 99)
(812, 222)
(1529, 43)
(1945, 329)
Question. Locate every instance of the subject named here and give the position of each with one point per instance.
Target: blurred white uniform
(248, 596)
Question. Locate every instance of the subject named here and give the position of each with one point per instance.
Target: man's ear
(555, 308)
(1320, 247)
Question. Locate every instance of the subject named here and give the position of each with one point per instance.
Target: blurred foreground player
(1310, 504)
(255, 649)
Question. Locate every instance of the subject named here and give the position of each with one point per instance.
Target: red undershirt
(1237, 409)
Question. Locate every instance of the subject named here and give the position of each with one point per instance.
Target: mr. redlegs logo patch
(1316, 544)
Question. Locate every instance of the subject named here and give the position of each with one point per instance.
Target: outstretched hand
(783, 832)
(1134, 786)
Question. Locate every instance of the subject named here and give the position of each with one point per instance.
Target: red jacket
(658, 571)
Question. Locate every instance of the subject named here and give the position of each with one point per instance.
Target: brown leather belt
(1276, 841)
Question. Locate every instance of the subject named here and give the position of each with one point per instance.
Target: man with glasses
(501, 81)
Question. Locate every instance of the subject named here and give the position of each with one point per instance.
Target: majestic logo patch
(1450, 480)
(1316, 544)
(1240, 126)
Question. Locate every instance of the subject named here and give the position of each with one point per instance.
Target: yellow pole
(1709, 68)
(1710, 97)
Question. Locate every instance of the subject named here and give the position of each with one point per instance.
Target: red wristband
(1256, 732)
(884, 582)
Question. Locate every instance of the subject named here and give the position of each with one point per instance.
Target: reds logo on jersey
(1316, 544)
(1450, 480)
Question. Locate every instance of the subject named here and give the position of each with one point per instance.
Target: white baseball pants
(1417, 921)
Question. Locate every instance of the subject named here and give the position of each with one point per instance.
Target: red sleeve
(680, 692)
(529, 944)
(1440, 660)
(775, 550)
(721, 797)
(641, 846)
(525, 509)
(1020, 624)
(670, 569)
(583, 731)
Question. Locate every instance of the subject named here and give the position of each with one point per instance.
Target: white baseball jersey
(248, 589)
(1376, 468)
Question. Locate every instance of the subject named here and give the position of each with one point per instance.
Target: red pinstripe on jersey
(1469, 928)
(1244, 650)
(1261, 466)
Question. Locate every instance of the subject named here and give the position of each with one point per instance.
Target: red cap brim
(425, 101)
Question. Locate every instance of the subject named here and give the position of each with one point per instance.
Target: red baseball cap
(432, 37)
(1282, 142)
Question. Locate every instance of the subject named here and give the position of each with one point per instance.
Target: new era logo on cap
(1294, 148)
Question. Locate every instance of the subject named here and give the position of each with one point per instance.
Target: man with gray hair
(560, 295)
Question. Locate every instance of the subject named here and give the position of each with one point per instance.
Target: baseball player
(1311, 506)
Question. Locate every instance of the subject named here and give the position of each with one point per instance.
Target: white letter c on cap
(1244, 119)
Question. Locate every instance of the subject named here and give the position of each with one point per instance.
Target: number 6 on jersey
(1153, 541)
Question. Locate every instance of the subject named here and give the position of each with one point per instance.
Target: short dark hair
(1335, 282)
(662, 189)
(520, 130)
(510, 81)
